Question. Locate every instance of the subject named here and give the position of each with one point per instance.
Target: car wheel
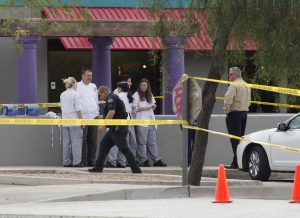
(258, 164)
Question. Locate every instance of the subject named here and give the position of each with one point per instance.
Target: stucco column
(101, 60)
(175, 67)
(27, 78)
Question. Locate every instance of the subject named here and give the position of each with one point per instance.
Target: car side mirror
(281, 126)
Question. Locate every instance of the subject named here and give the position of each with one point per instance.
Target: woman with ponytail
(72, 134)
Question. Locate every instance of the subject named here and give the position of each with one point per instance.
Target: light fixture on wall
(119, 71)
(144, 66)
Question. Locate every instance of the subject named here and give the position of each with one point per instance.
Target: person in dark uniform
(116, 135)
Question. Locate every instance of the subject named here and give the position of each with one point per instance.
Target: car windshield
(295, 123)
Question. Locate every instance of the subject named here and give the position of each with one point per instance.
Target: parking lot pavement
(159, 208)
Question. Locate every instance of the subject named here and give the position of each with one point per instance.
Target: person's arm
(228, 98)
(135, 101)
(80, 99)
(249, 97)
(152, 106)
(110, 115)
(146, 108)
(111, 107)
(78, 108)
(79, 114)
(135, 105)
(97, 101)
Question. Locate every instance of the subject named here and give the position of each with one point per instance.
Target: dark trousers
(89, 145)
(236, 125)
(190, 143)
(110, 139)
(191, 139)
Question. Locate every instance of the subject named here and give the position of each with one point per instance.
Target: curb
(211, 172)
(247, 192)
(129, 194)
(36, 181)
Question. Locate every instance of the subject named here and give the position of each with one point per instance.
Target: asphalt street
(158, 208)
(28, 192)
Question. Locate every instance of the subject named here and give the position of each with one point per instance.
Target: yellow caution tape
(84, 122)
(48, 105)
(255, 86)
(184, 78)
(276, 104)
(41, 105)
(57, 104)
(269, 103)
(281, 147)
(123, 122)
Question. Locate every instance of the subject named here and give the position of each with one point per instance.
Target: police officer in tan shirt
(236, 105)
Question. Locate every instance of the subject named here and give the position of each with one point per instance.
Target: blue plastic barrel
(10, 110)
(31, 109)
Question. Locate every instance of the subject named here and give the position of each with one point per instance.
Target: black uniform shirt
(113, 102)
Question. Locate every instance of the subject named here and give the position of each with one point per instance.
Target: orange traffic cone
(296, 188)
(222, 193)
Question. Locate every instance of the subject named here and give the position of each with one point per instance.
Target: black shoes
(159, 163)
(95, 170)
(70, 165)
(120, 165)
(231, 166)
(78, 165)
(90, 164)
(145, 164)
(109, 165)
(137, 171)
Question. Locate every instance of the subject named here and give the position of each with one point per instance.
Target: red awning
(200, 42)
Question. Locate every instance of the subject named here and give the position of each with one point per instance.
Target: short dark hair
(125, 88)
(123, 85)
(124, 77)
(86, 70)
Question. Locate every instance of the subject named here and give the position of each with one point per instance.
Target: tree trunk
(208, 101)
(218, 67)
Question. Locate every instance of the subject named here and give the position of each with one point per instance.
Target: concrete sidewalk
(170, 170)
(73, 192)
(32, 184)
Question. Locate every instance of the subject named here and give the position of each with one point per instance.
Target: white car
(260, 160)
